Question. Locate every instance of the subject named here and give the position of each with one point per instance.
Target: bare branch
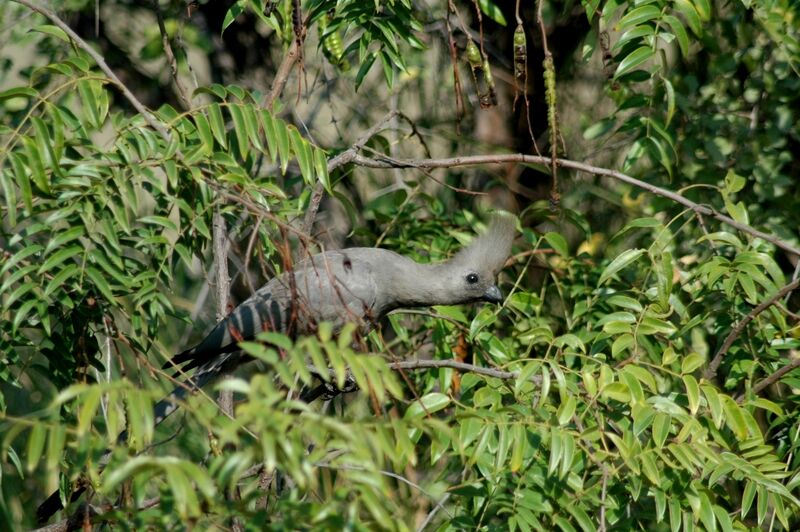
(340, 160)
(173, 64)
(474, 160)
(282, 75)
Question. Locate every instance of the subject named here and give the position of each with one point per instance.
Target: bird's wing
(336, 286)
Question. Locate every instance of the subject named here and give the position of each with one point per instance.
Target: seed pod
(520, 57)
(332, 45)
(473, 55)
(489, 97)
(270, 7)
(482, 76)
(297, 23)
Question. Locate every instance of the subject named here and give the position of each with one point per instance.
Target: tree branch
(340, 160)
(711, 371)
(282, 75)
(183, 95)
(473, 160)
(101, 63)
(461, 366)
(763, 383)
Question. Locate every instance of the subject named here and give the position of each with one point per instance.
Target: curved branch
(101, 63)
(473, 160)
(711, 371)
(767, 381)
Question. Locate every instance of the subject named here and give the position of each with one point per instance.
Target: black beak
(493, 295)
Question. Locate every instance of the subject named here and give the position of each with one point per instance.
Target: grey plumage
(359, 285)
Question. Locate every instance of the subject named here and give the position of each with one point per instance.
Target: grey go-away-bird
(359, 285)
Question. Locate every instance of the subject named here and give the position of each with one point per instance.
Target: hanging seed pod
(520, 58)
(552, 117)
(482, 76)
(550, 95)
(489, 97)
(473, 55)
(332, 45)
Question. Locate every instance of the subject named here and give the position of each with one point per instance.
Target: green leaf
(427, 404)
(638, 15)
(204, 132)
(100, 282)
(491, 10)
(680, 35)
(36, 165)
(240, 130)
(321, 169)
(234, 11)
(36, 440)
(65, 236)
(91, 106)
(689, 12)
(282, 135)
(623, 343)
(217, 124)
(304, 156)
(558, 243)
(58, 257)
(703, 8)
(692, 393)
(634, 34)
(556, 450)
(617, 391)
(691, 363)
(22, 178)
(566, 410)
(270, 134)
(625, 302)
(18, 92)
(633, 60)
(650, 467)
(670, 94)
(661, 428)
(624, 259)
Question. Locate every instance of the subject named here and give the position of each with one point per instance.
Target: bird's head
(474, 269)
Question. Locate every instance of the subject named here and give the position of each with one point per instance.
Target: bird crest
(489, 251)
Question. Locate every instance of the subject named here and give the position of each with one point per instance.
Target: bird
(357, 285)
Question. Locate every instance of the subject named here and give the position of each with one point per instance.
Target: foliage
(600, 394)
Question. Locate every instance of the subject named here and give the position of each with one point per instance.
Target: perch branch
(473, 160)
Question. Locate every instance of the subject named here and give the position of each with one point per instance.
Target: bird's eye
(472, 278)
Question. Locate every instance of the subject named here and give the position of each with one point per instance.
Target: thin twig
(340, 160)
(711, 371)
(439, 506)
(763, 383)
(183, 95)
(101, 63)
(461, 366)
(473, 160)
